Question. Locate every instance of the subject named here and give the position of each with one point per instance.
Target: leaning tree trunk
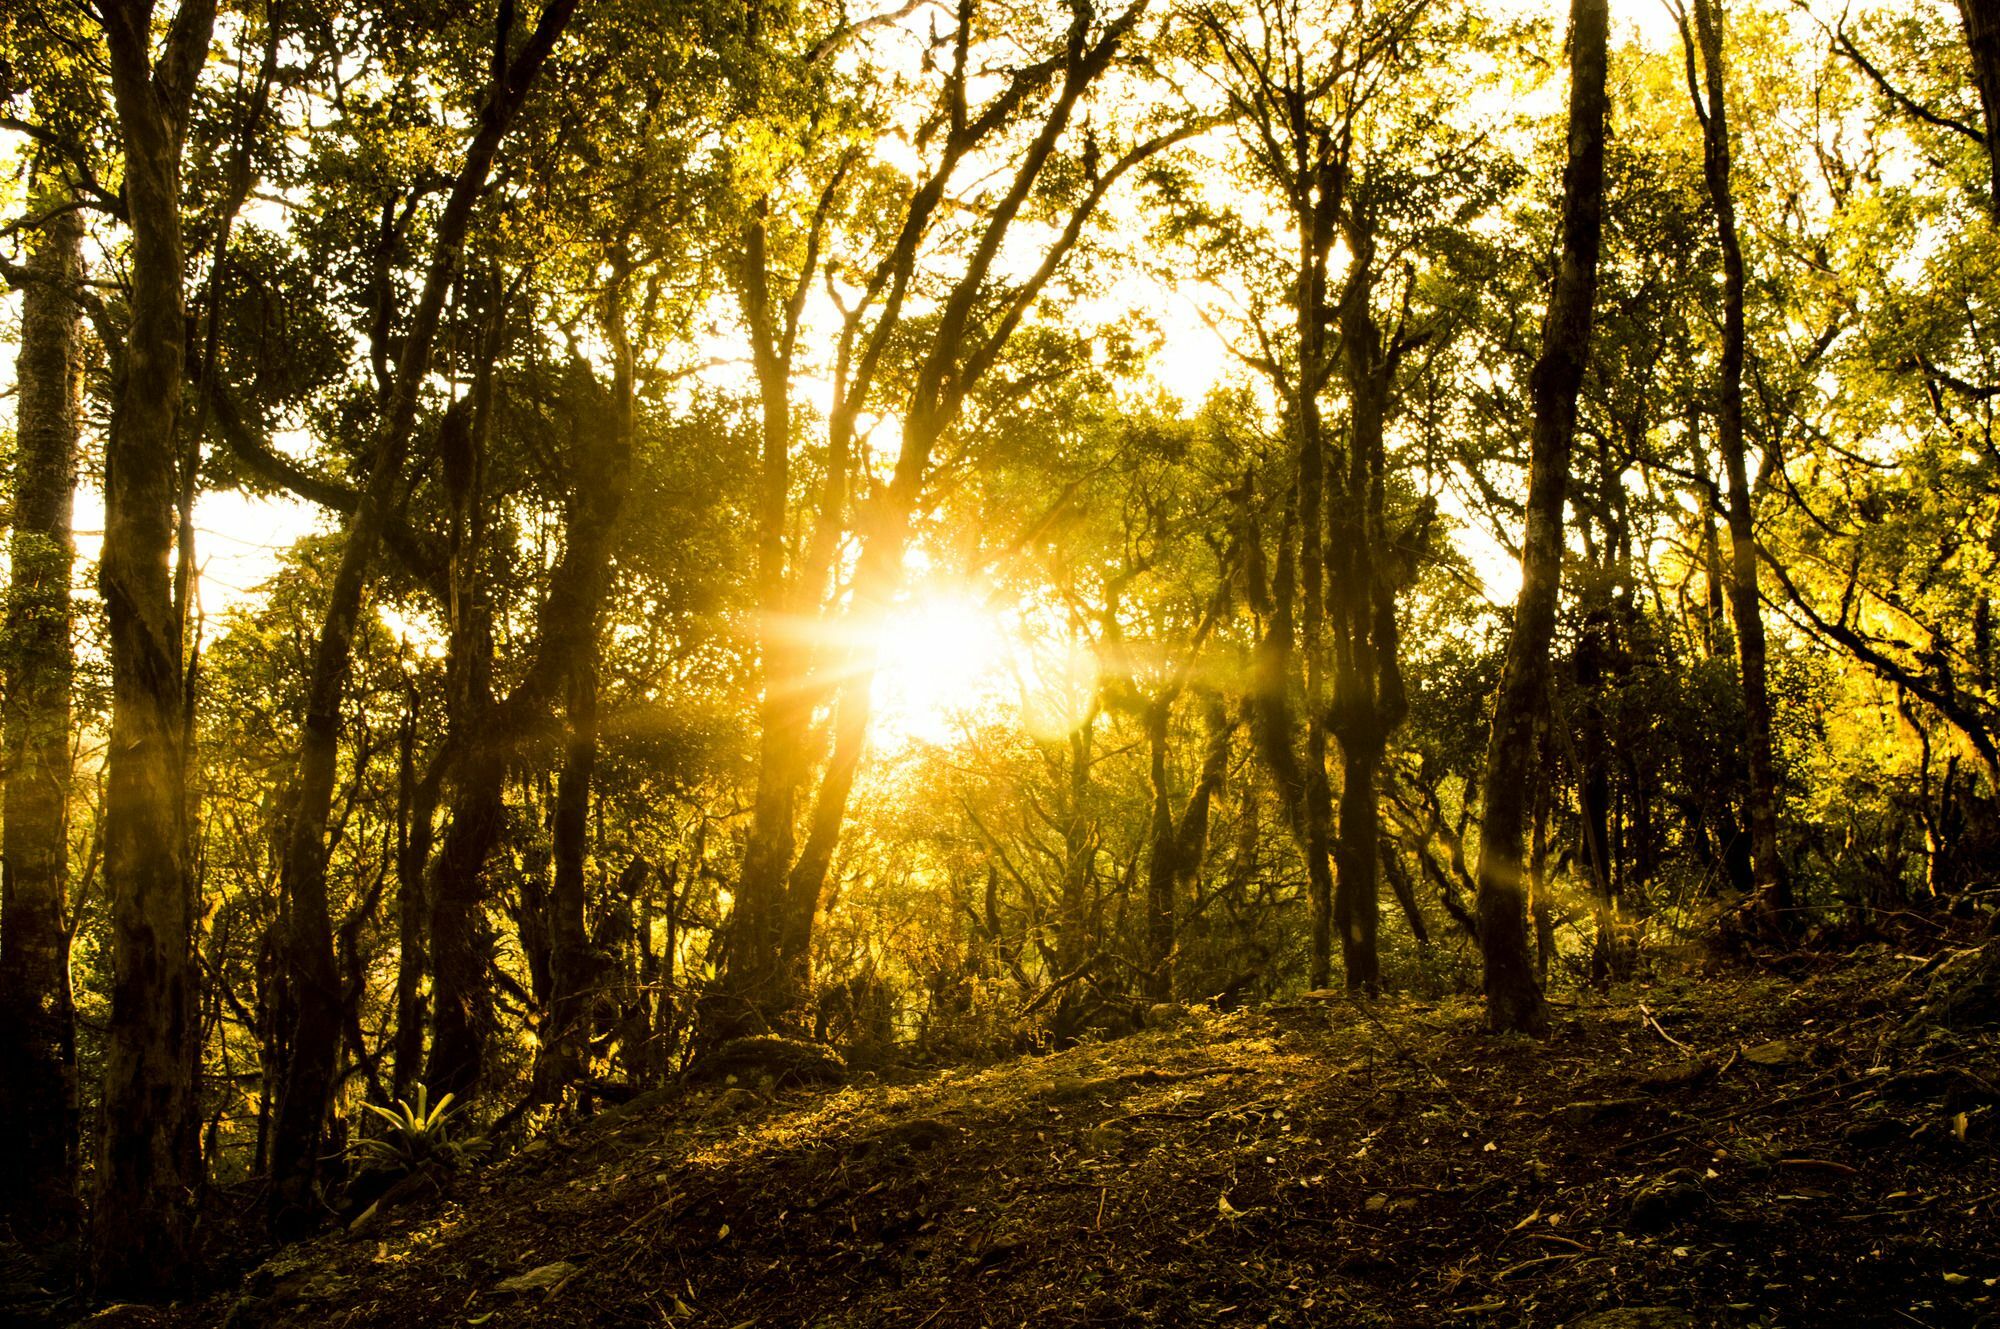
(1513, 995)
(309, 1080)
(38, 1092)
(1771, 884)
(149, 1166)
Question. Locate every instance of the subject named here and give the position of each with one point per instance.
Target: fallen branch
(1662, 1032)
(1048, 993)
(1539, 1260)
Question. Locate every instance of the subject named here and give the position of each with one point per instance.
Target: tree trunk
(309, 1080)
(559, 1059)
(487, 732)
(1162, 867)
(1175, 845)
(1513, 995)
(461, 944)
(1593, 796)
(1073, 939)
(1538, 875)
(38, 1089)
(1405, 892)
(416, 814)
(149, 1167)
(1368, 701)
(461, 938)
(1771, 883)
(1307, 802)
(1357, 911)
(1982, 38)
(1318, 218)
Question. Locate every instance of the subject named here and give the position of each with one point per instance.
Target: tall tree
(38, 1090)
(149, 1165)
(1772, 883)
(1366, 570)
(1514, 1001)
(1288, 75)
(603, 476)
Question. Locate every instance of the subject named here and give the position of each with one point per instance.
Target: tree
(309, 944)
(1772, 901)
(1029, 114)
(149, 1165)
(1514, 1001)
(38, 1087)
(1338, 121)
(1982, 39)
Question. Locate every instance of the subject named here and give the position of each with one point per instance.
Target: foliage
(417, 1137)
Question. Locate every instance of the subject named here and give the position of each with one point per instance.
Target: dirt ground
(1722, 1145)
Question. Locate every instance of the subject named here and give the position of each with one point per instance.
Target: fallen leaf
(1777, 1052)
(536, 1280)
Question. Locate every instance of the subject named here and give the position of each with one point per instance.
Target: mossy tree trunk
(38, 1090)
(149, 1164)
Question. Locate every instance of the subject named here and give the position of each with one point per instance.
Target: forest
(629, 620)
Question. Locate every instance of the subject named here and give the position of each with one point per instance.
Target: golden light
(940, 656)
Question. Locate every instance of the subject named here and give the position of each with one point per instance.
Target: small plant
(418, 1139)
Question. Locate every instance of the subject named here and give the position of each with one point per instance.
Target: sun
(939, 656)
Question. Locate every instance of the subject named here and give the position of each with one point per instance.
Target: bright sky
(238, 538)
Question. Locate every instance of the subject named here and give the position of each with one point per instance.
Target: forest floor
(1717, 1145)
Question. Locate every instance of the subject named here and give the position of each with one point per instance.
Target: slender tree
(1514, 1000)
(1772, 884)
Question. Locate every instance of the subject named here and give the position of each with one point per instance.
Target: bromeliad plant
(418, 1139)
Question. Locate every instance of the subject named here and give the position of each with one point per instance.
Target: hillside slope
(1321, 1163)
